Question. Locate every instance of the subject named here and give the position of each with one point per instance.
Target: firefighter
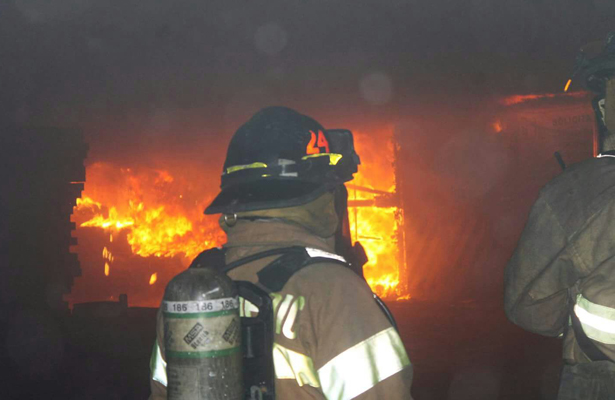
(283, 186)
(560, 280)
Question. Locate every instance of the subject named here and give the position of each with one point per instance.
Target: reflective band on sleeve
(292, 365)
(236, 168)
(362, 366)
(598, 321)
(158, 367)
(321, 253)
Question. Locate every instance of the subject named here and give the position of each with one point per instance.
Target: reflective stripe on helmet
(292, 365)
(236, 168)
(362, 366)
(158, 367)
(598, 321)
(334, 158)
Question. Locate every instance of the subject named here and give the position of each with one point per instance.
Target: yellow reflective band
(157, 366)
(334, 158)
(247, 309)
(236, 168)
(362, 366)
(598, 321)
(292, 365)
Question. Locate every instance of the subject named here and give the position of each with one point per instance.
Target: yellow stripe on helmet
(334, 158)
(236, 168)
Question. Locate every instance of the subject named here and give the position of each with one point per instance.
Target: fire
(517, 99)
(161, 214)
(567, 85)
(375, 218)
(156, 226)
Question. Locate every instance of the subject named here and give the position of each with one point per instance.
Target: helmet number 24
(316, 143)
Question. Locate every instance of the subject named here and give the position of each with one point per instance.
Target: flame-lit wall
(467, 193)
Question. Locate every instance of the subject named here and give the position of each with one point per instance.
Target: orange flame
(154, 210)
(156, 226)
(567, 85)
(517, 99)
(377, 227)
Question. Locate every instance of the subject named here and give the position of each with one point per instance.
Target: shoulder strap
(275, 275)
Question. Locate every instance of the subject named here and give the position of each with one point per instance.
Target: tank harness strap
(274, 276)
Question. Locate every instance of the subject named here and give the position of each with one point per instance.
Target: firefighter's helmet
(281, 158)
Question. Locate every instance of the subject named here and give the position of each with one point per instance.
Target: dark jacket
(566, 254)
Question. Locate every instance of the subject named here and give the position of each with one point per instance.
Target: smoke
(270, 39)
(470, 164)
(41, 11)
(376, 88)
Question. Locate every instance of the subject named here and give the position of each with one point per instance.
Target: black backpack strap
(274, 276)
(585, 343)
(257, 344)
(262, 254)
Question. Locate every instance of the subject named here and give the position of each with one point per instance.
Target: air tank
(202, 336)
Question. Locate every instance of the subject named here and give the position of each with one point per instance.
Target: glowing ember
(517, 99)
(567, 85)
(153, 278)
(497, 126)
(107, 269)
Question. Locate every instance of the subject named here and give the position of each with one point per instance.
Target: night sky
(135, 74)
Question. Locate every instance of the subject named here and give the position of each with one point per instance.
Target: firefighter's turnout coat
(332, 341)
(565, 262)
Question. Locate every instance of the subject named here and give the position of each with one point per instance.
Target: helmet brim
(265, 195)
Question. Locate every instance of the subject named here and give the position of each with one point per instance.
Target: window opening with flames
(148, 224)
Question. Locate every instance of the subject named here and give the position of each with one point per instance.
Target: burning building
(138, 227)
(434, 217)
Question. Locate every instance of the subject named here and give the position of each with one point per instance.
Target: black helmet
(595, 64)
(281, 158)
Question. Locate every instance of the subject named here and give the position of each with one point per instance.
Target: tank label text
(205, 306)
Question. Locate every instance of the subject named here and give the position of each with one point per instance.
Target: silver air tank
(202, 336)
